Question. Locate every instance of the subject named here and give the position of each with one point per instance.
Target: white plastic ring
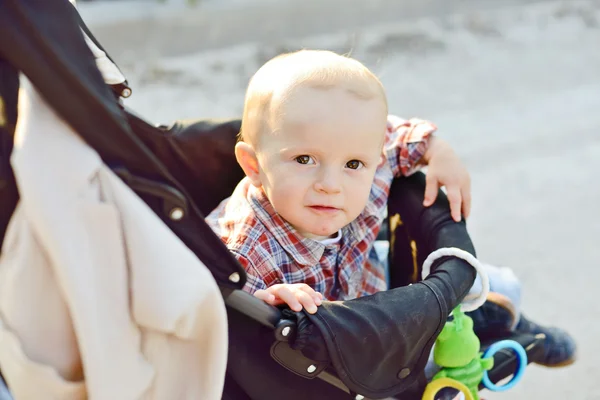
(470, 304)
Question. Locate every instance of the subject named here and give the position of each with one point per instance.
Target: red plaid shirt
(272, 252)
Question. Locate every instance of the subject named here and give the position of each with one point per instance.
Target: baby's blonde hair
(276, 80)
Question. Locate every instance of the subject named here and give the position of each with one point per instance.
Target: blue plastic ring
(522, 363)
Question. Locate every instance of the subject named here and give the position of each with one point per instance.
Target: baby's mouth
(324, 209)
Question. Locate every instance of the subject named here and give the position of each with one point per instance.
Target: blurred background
(513, 85)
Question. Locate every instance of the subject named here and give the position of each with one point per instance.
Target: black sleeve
(433, 228)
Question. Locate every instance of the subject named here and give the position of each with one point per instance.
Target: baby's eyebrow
(364, 156)
(303, 150)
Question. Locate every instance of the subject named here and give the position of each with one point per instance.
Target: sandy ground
(514, 86)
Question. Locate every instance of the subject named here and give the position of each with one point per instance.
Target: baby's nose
(329, 183)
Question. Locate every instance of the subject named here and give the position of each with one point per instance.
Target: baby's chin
(320, 233)
(317, 230)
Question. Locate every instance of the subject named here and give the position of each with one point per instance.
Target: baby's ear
(246, 157)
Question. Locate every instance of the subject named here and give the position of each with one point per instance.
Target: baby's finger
(316, 296)
(289, 297)
(307, 301)
(265, 296)
(455, 200)
(466, 198)
(431, 189)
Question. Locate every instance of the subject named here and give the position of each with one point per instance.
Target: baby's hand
(446, 169)
(296, 296)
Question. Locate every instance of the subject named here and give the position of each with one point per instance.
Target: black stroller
(371, 347)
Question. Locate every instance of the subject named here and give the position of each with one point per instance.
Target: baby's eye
(354, 164)
(304, 160)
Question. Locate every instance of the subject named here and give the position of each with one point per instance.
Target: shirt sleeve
(406, 143)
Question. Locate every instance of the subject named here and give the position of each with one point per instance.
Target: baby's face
(317, 167)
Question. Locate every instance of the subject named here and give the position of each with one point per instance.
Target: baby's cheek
(287, 187)
(292, 182)
(358, 196)
(285, 196)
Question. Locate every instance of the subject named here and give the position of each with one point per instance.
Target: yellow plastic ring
(435, 386)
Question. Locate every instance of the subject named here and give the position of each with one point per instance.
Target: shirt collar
(332, 240)
(304, 251)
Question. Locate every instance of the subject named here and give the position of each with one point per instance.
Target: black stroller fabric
(377, 345)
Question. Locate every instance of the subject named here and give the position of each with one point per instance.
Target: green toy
(457, 352)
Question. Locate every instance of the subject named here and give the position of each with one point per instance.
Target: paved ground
(514, 85)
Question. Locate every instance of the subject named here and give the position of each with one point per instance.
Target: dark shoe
(495, 318)
(560, 348)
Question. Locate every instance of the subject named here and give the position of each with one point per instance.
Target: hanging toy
(457, 348)
(457, 352)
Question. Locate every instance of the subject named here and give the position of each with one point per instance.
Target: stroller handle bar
(251, 306)
(260, 311)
